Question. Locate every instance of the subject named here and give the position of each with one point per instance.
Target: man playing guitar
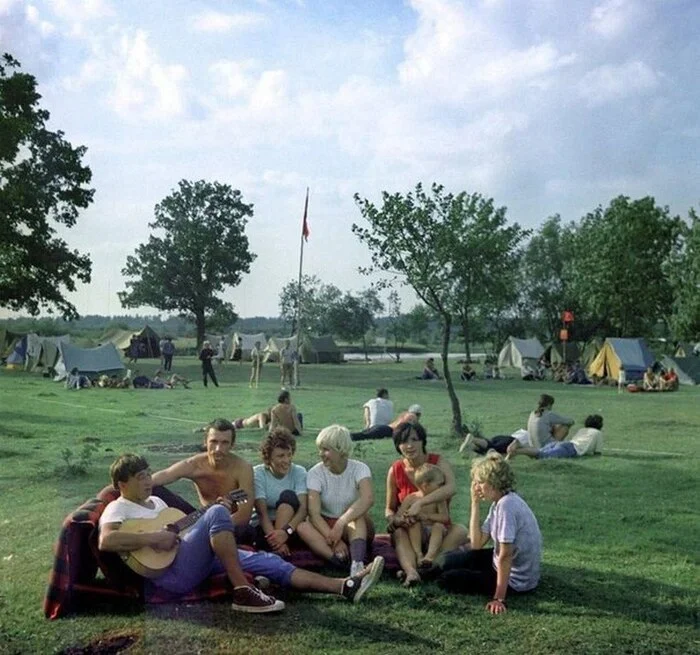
(208, 547)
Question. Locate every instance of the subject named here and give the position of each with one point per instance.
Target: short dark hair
(125, 466)
(403, 431)
(221, 425)
(284, 396)
(278, 438)
(382, 392)
(594, 421)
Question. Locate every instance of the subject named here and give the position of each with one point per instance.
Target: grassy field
(621, 532)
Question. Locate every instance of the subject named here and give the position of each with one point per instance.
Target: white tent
(517, 352)
(275, 345)
(89, 361)
(42, 352)
(245, 343)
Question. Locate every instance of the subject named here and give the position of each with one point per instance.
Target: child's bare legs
(437, 534)
(415, 535)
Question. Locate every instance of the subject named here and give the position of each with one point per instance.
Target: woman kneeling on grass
(513, 564)
(410, 442)
(339, 498)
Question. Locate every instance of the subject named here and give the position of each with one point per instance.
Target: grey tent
(560, 353)
(320, 350)
(517, 352)
(684, 349)
(687, 368)
(147, 339)
(42, 352)
(275, 345)
(89, 361)
(590, 351)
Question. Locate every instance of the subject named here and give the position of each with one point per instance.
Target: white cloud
(44, 27)
(218, 22)
(611, 18)
(143, 86)
(607, 83)
(7, 5)
(78, 11)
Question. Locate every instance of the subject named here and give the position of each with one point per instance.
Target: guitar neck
(188, 521)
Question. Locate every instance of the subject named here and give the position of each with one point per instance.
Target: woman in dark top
(205, 356)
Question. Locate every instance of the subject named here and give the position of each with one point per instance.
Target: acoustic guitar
(151, 563)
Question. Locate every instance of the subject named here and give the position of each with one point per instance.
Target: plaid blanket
(73, 581)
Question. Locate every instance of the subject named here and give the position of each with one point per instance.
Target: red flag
(305, 226)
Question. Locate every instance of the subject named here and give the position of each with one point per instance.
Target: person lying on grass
(428, 532)
(216, 473)
(209, 547)
(410, 442)
(512, 566)
(411, 415)
(280, 493)
(587, 441)
(340, 496)
(260, 420)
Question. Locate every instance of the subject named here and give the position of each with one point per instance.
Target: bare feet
(408, 579)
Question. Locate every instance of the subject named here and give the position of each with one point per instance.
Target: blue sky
(548, 106)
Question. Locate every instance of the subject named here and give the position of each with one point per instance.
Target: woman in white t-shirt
(339, 498)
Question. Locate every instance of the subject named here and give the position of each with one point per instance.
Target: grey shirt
(540, 427)
(511, 521)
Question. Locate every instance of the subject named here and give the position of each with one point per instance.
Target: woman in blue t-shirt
(280, 492)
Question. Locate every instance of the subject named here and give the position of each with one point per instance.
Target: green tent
(320, 350)
(687, 368)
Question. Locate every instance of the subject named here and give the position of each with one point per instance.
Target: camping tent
(320, 350)
(560, 353)
(15, 359)
(89, 361)
(684, 349)
(8, 339)
(590, 351)
(244, 344)
(42, 352)
(687, 368)
(147, 338)
(517, 352)
(632, 354)
(275, 345)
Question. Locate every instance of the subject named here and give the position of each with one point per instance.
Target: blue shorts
(557, 450)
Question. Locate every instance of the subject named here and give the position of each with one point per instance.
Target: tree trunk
(199, 322)
(465, 336)
(364, 346)
(454, 401)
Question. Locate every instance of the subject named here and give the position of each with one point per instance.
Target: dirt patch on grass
(105, 645)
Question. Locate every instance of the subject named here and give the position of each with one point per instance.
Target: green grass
(621, 532)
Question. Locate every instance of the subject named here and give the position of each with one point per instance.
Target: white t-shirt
(121, 509)
(588, 441)
(381, 411)
(338, 491)
(523, 436)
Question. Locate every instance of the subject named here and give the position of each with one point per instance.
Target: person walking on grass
(512, 566)
(209, 547)
(205, 356)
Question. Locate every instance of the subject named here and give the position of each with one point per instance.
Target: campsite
(620, 567)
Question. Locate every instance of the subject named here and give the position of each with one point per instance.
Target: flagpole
(304, 236)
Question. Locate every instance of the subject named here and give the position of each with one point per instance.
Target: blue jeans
(195, 560)
(557, 449)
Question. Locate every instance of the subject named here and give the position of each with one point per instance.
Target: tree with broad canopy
(200, 250)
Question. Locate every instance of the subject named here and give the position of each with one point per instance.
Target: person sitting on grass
(650, 382)
(512, 566)
(280, 493)
(541, 421)
(411, 415)
(428, 532)
(410, 442)
(587, 441)
(378, 414)
(467, 373)
(75, 380)
(339, 528)
(216, 473)
(669, 381)
(285, 415)
(209, 547)
(430, 372)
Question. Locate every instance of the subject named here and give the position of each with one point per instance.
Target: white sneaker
(375, 572)
(466, 443)
(356, 568)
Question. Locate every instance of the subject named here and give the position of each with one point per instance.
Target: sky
(547, 106)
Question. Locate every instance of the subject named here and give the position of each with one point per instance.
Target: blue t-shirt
(269, 487)
(511, 521)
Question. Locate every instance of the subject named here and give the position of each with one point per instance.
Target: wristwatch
(288, 529)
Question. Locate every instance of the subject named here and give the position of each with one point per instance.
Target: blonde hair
(495, 471)
(336, 437)
(429, 474)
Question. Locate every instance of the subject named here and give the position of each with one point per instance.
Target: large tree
(423, 239)
(42, 185)
(199, 249)
(317, 299)
(354, 315)
(617, 269)
(683, 270)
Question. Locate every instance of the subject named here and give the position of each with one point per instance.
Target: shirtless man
(216, 473)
